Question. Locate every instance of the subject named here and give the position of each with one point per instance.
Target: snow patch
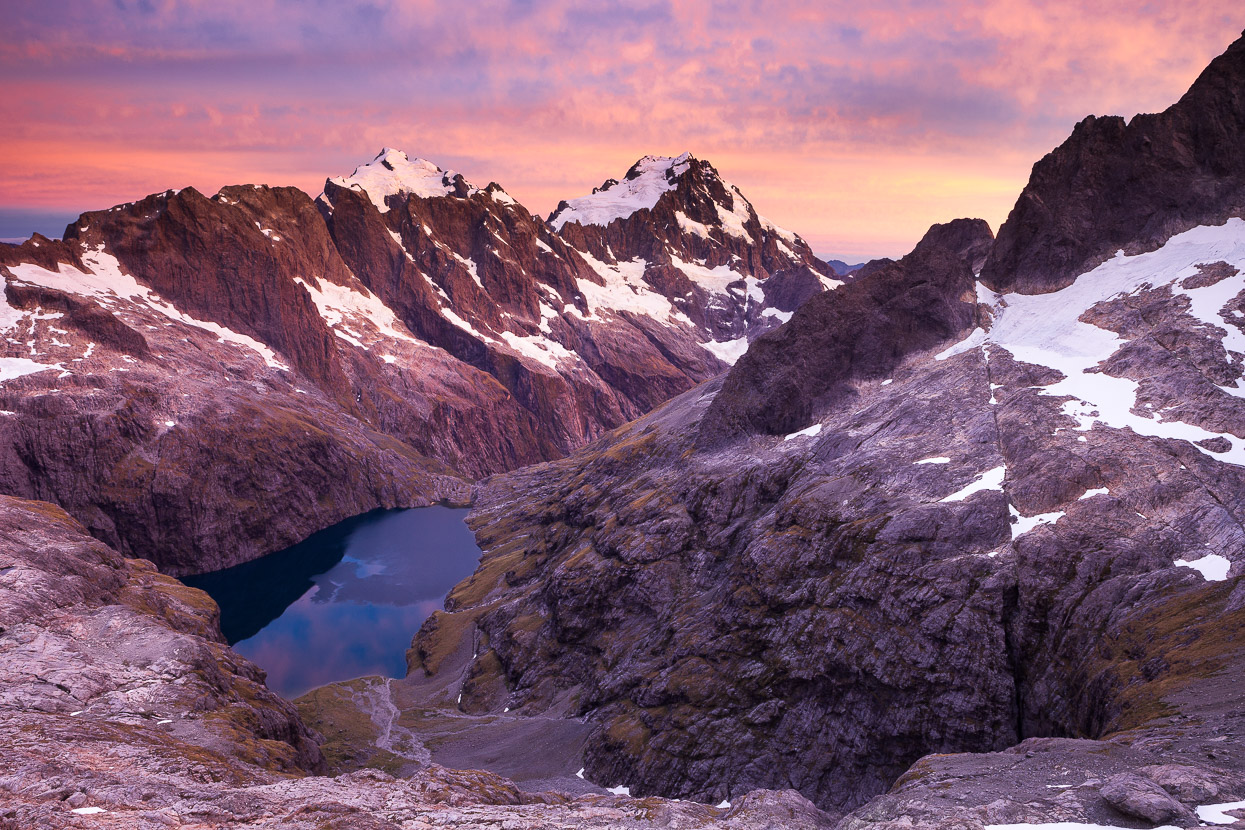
(502, 196)
(470, 265)
(541, 349)
(450, 315)
(624, 290)
(727, 351)
(1046, 330)
(1089, 494)
(16, 367)
(769, 226)
(808, 432)
(107, 282)
(620, 790)
(733, 220)
(622, 199)
(975, 339)
(1218, 813)
(9, 316)
(340, 304)
(937, 459)
(1213, 567)
(392, 173)
(829, 283)
(716, 280)
(989, 480)
(1023, 524)
(690, 225)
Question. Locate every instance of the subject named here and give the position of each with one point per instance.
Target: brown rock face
(210, 258)
(165, 433)
(1132, 185)
(221, 361)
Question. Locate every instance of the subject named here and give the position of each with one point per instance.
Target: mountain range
(957, 543)
(206, 380)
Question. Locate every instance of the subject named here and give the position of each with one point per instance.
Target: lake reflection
(346, 601)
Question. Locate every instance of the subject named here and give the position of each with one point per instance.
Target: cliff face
(861, 332)
(951, 555)
(173, 434)
(204, 380)
(86, 632)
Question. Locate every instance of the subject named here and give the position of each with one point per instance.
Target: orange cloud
(856, 125)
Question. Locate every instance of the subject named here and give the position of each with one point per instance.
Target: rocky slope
(176, 435)
(920, 517)
(205, 380)
(120, 706)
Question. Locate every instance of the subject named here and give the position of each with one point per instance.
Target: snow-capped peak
(643, 185)
(393, 172)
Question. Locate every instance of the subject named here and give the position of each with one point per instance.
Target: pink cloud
(856, 125)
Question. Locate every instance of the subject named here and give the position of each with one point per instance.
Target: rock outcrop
(858, 333)
(952, 558)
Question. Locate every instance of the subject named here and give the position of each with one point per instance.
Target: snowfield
(392, 173)
(624, 198)
(1046, 330)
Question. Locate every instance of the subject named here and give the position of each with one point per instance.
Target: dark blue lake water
(346, 601)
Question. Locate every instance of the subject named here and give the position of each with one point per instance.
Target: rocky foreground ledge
(121, 706)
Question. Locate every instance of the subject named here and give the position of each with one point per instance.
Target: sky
(855, 124)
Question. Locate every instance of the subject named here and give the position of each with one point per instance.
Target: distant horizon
(854, 125)
(18, 225)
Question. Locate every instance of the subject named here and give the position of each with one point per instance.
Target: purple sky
(854, 124)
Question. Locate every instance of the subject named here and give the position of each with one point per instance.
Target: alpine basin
(346, 601)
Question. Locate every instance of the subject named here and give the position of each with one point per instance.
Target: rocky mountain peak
(861, 331)
(674, 227)
(644, 183)
(971, 239)
(1131, 185)
(393, 173)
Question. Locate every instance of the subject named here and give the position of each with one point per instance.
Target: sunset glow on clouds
(855, 124)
